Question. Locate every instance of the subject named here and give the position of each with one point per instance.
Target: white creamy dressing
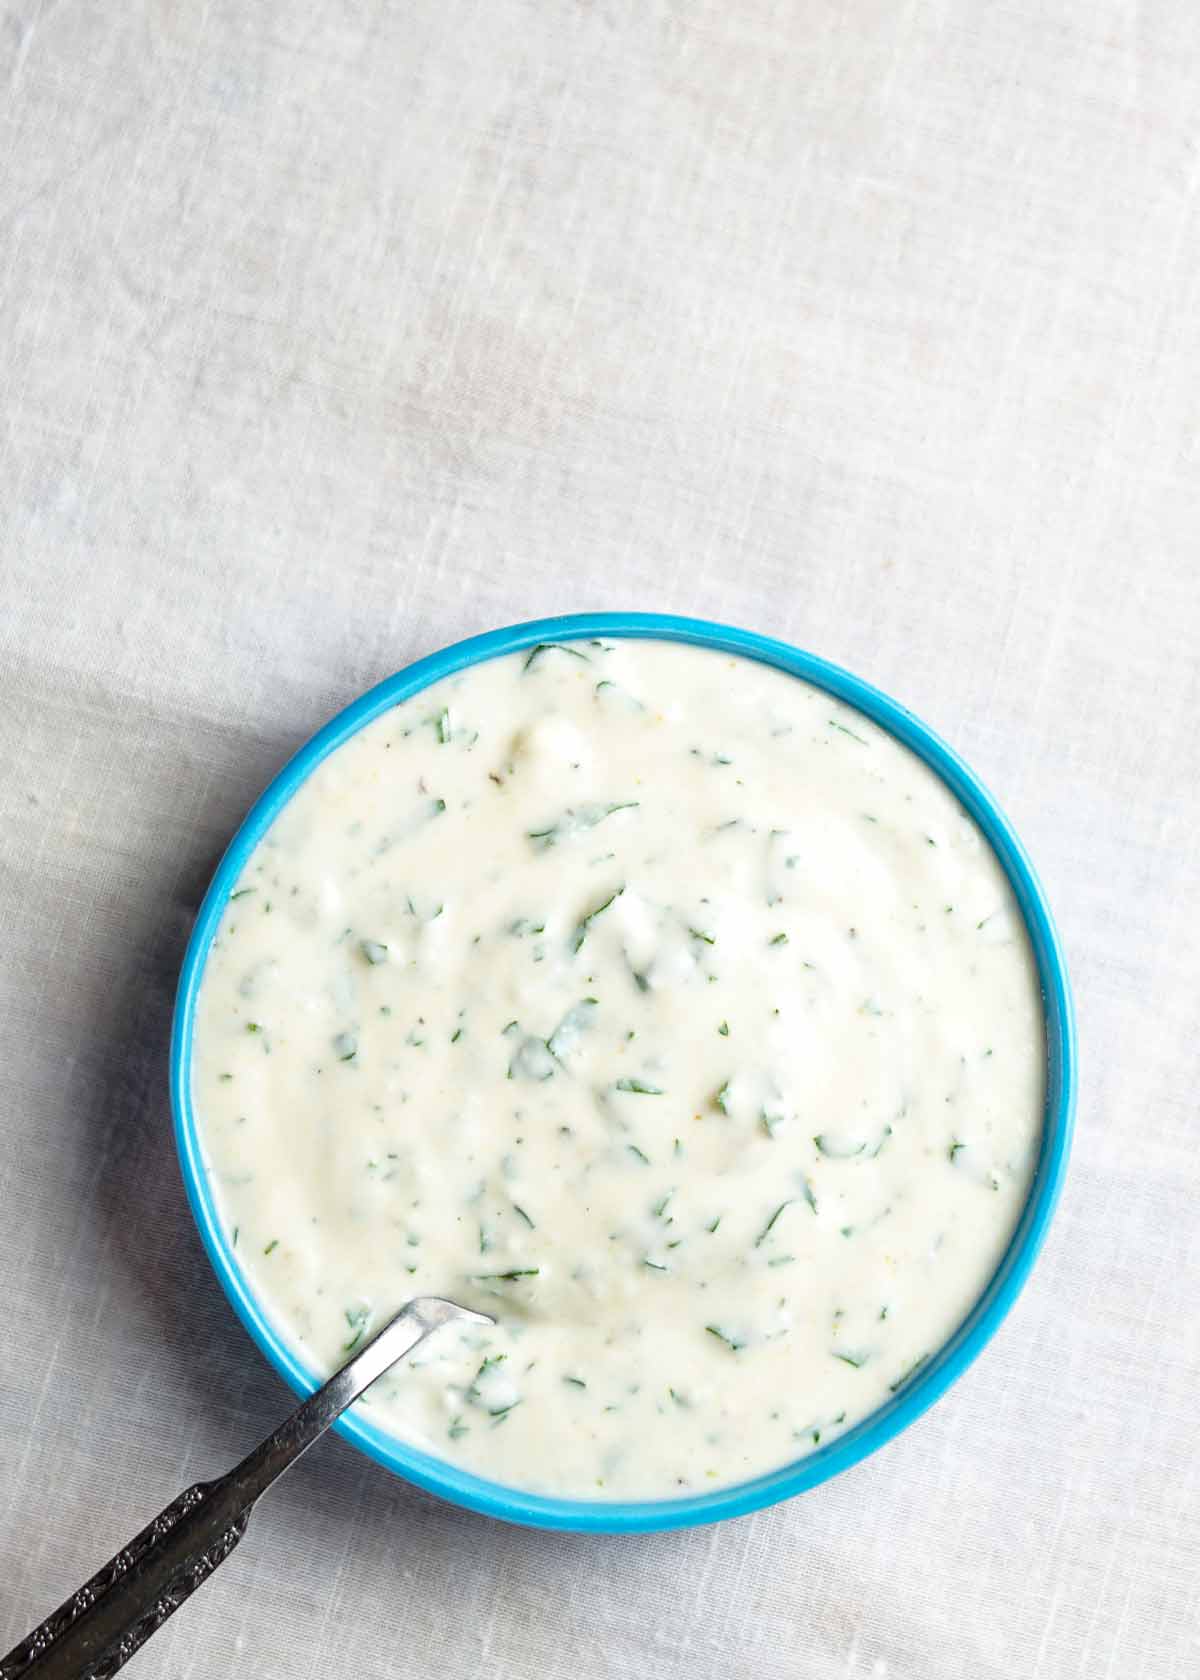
(659, 1005)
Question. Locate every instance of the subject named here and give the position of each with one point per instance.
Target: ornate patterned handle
(101, 1626)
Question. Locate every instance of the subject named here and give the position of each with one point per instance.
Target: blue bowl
(936, 1375)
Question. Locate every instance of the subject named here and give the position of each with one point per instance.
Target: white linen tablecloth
(333, 330)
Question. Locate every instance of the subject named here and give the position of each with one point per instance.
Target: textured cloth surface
(333, 330)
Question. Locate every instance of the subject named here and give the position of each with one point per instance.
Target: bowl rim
(936, 1374)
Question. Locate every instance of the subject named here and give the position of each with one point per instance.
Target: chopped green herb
(634, 1150)
(639, 1087)
(575, 1382)
(271, 1246)
(581, 932)
(766, 1230)
(723, 1029)
(731, 1342)
(834, 1150)
(373, 951)
(489, 1363)
(905, 1375)
(345, 1047)
(520, 1211)
(356, 1318)
(242, 892)
(779, 939)
(842, 727)
(536, 653)
(619, 693)
(575, 820)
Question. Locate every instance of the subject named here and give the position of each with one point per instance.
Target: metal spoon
(112, 1615)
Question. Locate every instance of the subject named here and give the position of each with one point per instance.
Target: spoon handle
(111, 1616)
(100, 1627)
